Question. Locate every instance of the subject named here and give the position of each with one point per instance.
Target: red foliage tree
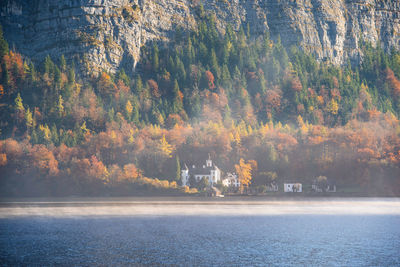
(174, 119)
(97, 169)
(154, 88)
(44, 160)
(210, 79)
(393, 82)
(296, 84)
(105, 85)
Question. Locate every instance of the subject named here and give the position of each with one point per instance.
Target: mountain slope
(105, 34)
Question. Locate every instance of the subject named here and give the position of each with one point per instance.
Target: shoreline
(184, 199)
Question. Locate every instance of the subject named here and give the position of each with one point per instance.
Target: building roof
(202, 171)
(292, 182)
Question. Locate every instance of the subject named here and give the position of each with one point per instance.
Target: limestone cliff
(107, 34)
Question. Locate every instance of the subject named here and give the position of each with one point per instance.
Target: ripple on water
(238, 239)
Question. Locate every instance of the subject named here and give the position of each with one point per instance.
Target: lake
(200, 232)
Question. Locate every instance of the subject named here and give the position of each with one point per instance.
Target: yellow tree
(45, 133)
(29, 119)
(244, 173)
(130, 172)
(303, 126)
(333, 107)
(129, 109)
(60, 106)
(19, 108)
(131, 138)
(18, 104)
(165, 147)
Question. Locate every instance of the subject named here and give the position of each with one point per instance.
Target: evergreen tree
(189, 53)
(193, 104)
(214, 64)
(57, 77)
(60, 106)
(226, 50)
(241, 38)
(71, 76)
(178, 169)
(32, 72)
(266, 44)
(280, 54)
(123, 77)
(135, 113)
(63, 64)
(263, 83)
(111, 115)
(138, 84)
(54, 135)
(34, 137)
(155, 61)
(226, 77)
(5, 79)
(48, 66)
(180, 70)
(177, 100)
(3, 45)
(203, 53)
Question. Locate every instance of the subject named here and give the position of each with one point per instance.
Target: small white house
(231, 180)
(329, 186)
(272, 187)
(209, 171)
(292, 187)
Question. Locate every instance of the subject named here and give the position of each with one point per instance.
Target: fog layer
(177, 207)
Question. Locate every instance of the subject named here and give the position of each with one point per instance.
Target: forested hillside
(232, 95)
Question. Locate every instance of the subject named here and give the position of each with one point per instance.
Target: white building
(231, 180)
(329, 186)
(292, 187)
(272, 187)
(209, 171)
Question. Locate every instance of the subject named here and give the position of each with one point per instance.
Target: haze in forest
(266, 111)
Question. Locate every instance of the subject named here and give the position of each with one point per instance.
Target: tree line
(239, 97)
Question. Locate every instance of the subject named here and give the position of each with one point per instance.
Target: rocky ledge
(108, 34)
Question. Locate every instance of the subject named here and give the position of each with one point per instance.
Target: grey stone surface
(107, 34)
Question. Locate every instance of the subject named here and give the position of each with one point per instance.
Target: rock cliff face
(107, 34)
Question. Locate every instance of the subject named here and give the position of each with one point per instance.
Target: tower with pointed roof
(185, 175)
(208, 171)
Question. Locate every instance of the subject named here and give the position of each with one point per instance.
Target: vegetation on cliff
(232, 95)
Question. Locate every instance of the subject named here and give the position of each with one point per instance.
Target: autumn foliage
(243, 171)
(259, 110)
(394, 82)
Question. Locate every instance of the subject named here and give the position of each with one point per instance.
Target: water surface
(170, 232)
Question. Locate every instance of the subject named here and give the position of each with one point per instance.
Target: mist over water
(198, 207)
(198, 232)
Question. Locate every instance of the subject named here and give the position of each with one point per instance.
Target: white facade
(209, 171)
(273, 187)
(231, 180)
(329, 188)
(185, 176)
(292, 187)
